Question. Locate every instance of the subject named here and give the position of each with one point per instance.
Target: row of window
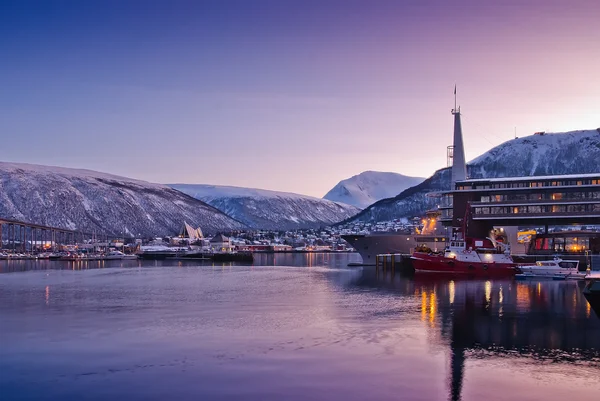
(593, 208)
(559, 244)
(526, 184)
(542, 196)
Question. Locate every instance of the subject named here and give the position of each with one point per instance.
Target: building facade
(478, 205)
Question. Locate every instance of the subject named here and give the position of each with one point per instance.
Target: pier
(393, 262)
(15, 236)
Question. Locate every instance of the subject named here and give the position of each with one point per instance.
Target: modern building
(188, 235)
(477, 206)
(485, 207)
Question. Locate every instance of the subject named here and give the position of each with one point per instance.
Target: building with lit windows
(479, 205)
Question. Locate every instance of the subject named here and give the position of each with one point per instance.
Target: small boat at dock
(556, 269)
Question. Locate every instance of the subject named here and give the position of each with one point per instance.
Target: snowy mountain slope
(572, 152)
(94, 201)
(411, 202)
(368, 187)
(575, 152)
(263, 209)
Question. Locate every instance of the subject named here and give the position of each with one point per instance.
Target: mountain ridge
(91, 201)
(266, 209)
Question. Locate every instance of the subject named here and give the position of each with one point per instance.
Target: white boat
(114, 255)
(557, 269)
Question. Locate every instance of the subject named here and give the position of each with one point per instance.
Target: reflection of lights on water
(500, 300)
(432, 305)
(539, 289)
(488, 291)
(451, 291)
(47, 296)
(588, 309)
(523, 299)
(423, 305)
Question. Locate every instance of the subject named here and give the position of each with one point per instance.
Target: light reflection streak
(451, 291)
(432, 307)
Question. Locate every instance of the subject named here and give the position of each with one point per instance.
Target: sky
(287, 95)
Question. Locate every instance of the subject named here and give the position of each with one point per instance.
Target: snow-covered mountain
(368, 187)
(263, 209)
(572, 152)
(93, 201)
(575, 152)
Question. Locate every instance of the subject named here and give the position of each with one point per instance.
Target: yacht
(114, 255)
(556, 268)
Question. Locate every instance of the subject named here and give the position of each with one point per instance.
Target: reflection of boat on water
(542, 320)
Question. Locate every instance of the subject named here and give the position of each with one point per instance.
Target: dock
(394, 262)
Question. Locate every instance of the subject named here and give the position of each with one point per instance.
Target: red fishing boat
(469, 257)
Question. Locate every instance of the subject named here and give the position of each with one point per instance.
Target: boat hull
(425, 263)
(371, 245)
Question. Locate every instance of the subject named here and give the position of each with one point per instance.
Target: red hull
(425, 263)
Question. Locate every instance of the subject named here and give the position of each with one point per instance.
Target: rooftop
(534, 178)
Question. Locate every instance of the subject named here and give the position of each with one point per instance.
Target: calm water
(291, 327)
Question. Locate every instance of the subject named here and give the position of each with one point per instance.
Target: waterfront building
(221, 243)
(188, 235)
(477, 206)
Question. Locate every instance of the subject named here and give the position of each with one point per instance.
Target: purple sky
(287, 95)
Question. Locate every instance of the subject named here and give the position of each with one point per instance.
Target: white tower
(459, 166)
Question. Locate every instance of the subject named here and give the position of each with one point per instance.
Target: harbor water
(288, 327)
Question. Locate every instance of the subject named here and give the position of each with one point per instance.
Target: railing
(530, 202)
(482, 216)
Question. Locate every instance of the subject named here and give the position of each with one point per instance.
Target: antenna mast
(455, 110)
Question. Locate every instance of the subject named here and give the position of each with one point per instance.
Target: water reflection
(545, 321)
(344, 333)
(309, 259)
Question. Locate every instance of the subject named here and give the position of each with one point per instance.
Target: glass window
(559, 244)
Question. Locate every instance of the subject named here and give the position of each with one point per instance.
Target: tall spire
(459, 166)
